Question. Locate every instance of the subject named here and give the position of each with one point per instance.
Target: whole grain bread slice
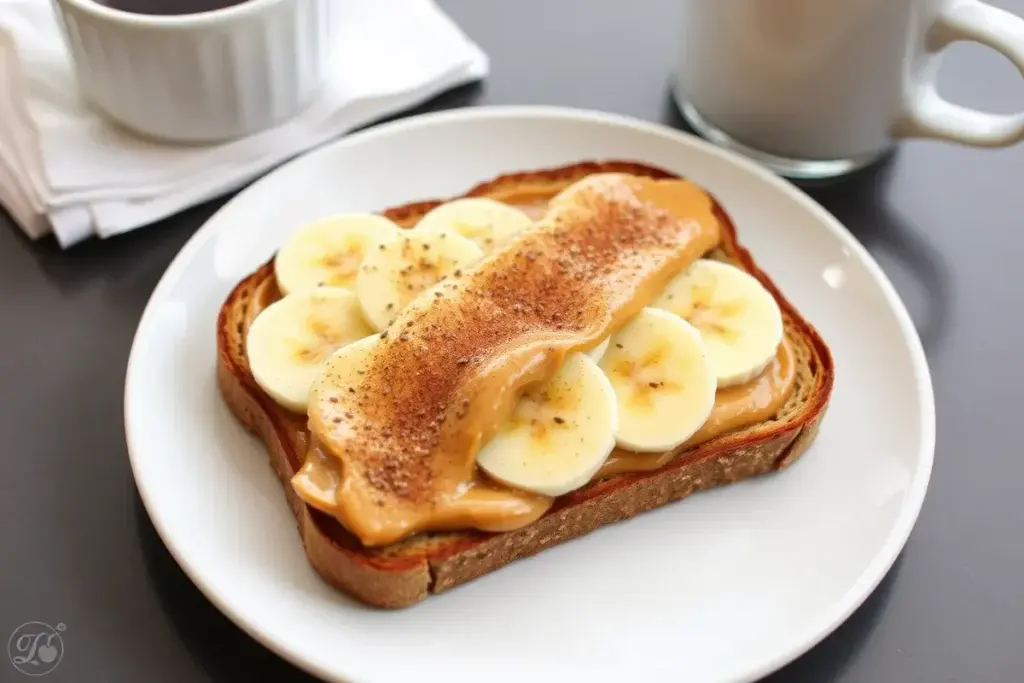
(406, 572)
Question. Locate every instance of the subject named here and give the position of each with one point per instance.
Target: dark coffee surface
(169, 7)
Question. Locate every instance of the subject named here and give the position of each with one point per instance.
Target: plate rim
(796, 645)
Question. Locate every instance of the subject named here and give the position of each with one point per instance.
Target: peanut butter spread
(394, 453)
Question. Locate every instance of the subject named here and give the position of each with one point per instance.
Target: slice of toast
(408, 571)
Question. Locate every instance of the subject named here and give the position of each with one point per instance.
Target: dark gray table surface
(945, 222)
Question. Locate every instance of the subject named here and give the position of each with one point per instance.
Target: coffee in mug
(169, 7)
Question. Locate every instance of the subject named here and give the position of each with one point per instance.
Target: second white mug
(202, 77)
(818, 88)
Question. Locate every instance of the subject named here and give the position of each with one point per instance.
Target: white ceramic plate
(725, 586)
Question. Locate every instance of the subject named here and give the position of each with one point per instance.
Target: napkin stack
(65, 169)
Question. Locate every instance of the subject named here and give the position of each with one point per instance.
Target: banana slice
(487, 222)
(559, 435)
(738, 318)
(289, 341)
(394, 274)
(663, 379)
(329, 251)
(598, 351)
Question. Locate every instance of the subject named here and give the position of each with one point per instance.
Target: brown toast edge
(418, 568)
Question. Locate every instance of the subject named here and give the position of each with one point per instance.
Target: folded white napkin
(64, 169)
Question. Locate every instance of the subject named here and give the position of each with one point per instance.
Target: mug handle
(928, 115)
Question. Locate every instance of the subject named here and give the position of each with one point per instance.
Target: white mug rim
(209, 18)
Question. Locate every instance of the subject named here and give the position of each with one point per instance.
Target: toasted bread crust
(408, 572)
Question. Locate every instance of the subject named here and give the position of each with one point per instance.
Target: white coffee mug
(203, 77)
(818, 88)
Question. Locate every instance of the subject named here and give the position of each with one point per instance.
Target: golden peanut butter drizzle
(480, 503)
(488, 506)
(464, 498)
(454, 363)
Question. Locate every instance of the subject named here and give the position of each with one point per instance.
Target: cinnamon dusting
(432, 395)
